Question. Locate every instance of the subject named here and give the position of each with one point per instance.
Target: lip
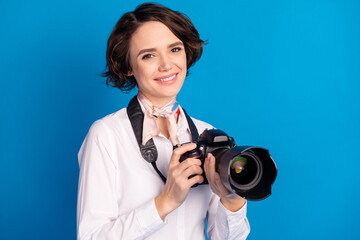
(163, 81)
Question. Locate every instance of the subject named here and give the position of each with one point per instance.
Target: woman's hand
(231, 201)
(178, 183)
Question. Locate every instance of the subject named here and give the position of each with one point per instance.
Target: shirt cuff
(225, 216)
(148, 218)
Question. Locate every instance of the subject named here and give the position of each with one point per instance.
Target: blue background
(279, 74)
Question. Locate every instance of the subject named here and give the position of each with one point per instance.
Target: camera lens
(245, 171)
(238, 165)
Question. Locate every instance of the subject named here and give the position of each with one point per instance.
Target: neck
(158, 102)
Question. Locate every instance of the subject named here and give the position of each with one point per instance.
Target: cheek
(142, 72)
(185, 60)
(181, 62)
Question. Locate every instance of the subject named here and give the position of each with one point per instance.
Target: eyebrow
(154, 49)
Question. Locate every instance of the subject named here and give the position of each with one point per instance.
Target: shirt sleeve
(224, 224)
(97, 210)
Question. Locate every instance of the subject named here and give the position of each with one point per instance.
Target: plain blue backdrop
(281, 74)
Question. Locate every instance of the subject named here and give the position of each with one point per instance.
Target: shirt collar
(183, 125)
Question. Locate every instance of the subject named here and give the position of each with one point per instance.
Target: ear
(129, 73)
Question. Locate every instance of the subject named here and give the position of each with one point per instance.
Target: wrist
(233, 203)
(164, 206)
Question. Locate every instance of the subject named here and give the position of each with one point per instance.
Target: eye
(147, 56)
(177, 49)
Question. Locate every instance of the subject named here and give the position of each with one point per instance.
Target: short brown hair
(117, 54)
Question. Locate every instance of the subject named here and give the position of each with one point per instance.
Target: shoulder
(110, 124)
(201, 125)
(106, 133)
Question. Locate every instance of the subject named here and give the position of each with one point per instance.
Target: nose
(165, 64)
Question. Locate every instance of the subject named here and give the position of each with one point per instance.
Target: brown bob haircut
(117, 54)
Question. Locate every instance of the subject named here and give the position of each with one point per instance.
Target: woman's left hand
(231, 201)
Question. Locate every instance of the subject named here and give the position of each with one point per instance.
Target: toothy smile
(167, 78)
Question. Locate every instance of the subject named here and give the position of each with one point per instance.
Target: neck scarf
(150, 126)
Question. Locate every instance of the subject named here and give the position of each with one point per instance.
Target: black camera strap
(149, 151)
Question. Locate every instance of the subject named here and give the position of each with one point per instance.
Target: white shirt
(117, 188)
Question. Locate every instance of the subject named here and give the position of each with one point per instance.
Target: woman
(121, 195)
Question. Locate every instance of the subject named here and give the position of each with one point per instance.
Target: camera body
(210, 141)
(244, 170)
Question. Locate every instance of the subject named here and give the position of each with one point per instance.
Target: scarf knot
(150, 126)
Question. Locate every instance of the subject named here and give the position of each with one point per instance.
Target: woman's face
(158, 62)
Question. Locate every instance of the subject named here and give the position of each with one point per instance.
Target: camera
(244, 170)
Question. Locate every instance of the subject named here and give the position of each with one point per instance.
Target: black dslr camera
(244, 170)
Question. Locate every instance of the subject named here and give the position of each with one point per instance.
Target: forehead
(152, 35)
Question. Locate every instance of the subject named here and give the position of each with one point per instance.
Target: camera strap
(149, 151)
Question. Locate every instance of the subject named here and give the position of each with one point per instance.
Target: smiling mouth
(166, 78)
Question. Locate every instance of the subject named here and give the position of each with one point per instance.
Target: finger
(196, 179)
(208, 174)
(177, 171)
(180, 151)
(192, 170)
(187, 163)
(214, 178)
(221, 188)
(211, 167)
(191, 165)
(206, 165)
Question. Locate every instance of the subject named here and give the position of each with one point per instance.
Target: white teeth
(167, 79)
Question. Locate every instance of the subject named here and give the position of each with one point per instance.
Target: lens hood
(259, 174)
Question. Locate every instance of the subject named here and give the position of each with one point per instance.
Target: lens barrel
(255, 174)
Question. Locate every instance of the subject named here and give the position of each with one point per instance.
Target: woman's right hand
(178, 184)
